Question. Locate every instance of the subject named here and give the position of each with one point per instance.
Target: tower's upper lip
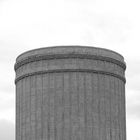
(73, 49)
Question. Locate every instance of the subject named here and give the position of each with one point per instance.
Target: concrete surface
(70, 93)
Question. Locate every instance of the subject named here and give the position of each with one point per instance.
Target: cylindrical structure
(70, 93)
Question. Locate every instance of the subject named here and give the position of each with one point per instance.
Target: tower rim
(68, 47)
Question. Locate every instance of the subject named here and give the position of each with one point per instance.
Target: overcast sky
(30, 24)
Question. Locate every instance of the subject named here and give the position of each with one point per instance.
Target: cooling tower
(70, 93)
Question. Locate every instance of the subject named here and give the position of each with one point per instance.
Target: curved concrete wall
(70, 93)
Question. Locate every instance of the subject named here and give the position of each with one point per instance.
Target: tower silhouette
(70, 93)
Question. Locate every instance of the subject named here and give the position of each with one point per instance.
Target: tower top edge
(67, 49)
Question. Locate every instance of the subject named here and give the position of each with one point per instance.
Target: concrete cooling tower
(70, 93)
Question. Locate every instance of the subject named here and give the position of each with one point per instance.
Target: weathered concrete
(70, 93)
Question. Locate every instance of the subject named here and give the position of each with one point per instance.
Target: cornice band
(34, 58)
(69, 70)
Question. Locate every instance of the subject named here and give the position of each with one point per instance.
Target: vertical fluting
(81, 106)
(74, 93)
(33, 108)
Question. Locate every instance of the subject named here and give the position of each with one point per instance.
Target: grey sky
(30, 24)
(7, 130)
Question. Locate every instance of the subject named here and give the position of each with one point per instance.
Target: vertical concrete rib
(27, 110)
(88, 80)
(66, 107)
(20, 113)
(18, 92)
(70, 93)
(101, 106)
(33, 108)
(95, 107)
(112, 106)
(23, 110)
(74, 106)
(85, 108)
(81, 107)
(59, 106)
(107, 107)
(45, 107)
(38, 106)
(51, 105)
